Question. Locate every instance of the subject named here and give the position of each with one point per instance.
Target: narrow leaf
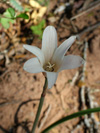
(23, 15)
(69, 117)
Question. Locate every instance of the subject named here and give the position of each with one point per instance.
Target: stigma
(49, 67)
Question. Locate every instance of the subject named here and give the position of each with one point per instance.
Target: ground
(20, 91)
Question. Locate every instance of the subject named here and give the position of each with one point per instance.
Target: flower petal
(33, 66)
(71, 61)
(62, 49)
(49, 42)
(36, 51)
(52, 77)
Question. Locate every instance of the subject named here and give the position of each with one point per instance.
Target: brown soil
(20, 92)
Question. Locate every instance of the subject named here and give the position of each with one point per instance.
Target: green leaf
(8, 14)
(27, 9)
(23, 15)
(16, 5)
(38, 29)
(12, 12)
(43, 2)
(5, 23)
(69, 117)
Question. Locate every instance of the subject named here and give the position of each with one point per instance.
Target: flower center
(49, 67)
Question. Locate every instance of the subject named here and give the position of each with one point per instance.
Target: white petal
(33, 66)
(71, 61)
(62, 49)
(49, 42)
(52, 77)
(36, 51)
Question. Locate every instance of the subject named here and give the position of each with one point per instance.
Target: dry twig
(44, 117)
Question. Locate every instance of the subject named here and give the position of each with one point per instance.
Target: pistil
(49, 67)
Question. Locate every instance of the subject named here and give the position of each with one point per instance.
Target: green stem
(40, 105)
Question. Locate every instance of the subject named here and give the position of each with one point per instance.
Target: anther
(50, 65)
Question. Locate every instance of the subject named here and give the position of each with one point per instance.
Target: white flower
(51, 59)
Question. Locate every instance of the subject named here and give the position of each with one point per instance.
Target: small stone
(1, 57)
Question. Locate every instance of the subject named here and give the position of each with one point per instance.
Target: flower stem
(40, 105)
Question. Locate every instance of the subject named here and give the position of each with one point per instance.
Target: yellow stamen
(49, 67)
